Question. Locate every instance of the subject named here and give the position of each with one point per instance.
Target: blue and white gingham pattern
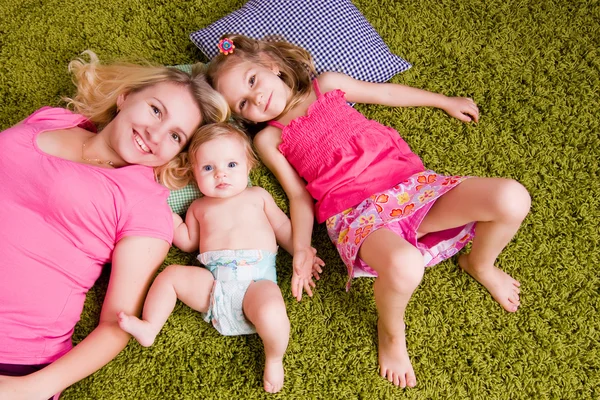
(335, 32)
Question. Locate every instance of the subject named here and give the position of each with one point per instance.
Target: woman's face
(154, 124)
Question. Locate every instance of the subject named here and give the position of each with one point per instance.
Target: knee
(513, 200)
(270, 315)
(405, 270)
(265, 305)
(168, 274)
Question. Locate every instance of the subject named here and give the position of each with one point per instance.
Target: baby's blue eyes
(155, 110)
(231, 164)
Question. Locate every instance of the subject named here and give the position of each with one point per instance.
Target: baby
(237, 229)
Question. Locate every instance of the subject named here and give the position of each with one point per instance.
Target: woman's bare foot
(141, 330)
(503, 288)
(394, 363)
(273, 376)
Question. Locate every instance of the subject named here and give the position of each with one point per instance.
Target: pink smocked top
(343, 156)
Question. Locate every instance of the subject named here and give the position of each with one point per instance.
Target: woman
(73, 200)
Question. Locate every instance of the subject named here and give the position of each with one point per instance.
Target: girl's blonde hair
(99, 85)
(205, 134)
(295, 64)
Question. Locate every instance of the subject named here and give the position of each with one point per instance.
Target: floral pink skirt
(400, 209)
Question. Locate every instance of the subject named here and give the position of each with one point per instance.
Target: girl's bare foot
(503, 288)
(273, 376)
(394, 363)
(141, 330)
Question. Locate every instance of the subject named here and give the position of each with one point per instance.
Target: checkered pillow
(337, 35)
(180, 200)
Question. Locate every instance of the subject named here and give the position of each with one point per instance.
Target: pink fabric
(400, 209)
(344, 157)
(60, 221)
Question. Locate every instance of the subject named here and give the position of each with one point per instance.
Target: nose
(156, 133)
(258, 98)
(220, 173)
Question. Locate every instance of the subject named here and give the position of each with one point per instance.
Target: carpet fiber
(533, 67)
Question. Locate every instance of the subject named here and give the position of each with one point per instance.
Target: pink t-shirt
(343, 156)
(59, 223)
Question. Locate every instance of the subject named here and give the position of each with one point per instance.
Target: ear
(120, 100)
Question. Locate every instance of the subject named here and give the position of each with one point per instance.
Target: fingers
(300, 285)
(472, 110)
(297, 287)
(307, 287)
(316, 275)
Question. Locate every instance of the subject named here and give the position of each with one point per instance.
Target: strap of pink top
(278, 124)
(316, 87)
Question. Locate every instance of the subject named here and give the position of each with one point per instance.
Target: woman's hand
(462, 108)
(17, 388)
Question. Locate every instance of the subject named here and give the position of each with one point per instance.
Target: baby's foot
(141, 330)
(503, 288)
(273, 376)
(394, 363)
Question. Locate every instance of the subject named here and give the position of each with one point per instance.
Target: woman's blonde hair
(205, 134)
(99, 85)
(295, 64)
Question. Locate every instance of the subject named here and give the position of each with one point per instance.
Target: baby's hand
(462, 108)
(302, 276)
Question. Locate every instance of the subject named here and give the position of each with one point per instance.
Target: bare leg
(399, 266)
(265, 308)
(499, 206)
(191, 285)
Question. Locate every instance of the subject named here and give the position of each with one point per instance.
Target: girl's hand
(318, 265)
(302, 276)
(462, 108)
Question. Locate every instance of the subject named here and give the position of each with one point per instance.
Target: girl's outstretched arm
(395, 95)
(135, 262)
(301, 208)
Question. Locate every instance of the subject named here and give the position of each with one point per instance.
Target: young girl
(387, 215)
(237, 229)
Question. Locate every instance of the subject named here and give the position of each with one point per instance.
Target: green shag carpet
(533, 67)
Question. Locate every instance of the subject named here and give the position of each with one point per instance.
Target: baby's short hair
(210, 132)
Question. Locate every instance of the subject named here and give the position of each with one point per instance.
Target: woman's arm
(396, 95)
(135, 262)
(301, 208)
